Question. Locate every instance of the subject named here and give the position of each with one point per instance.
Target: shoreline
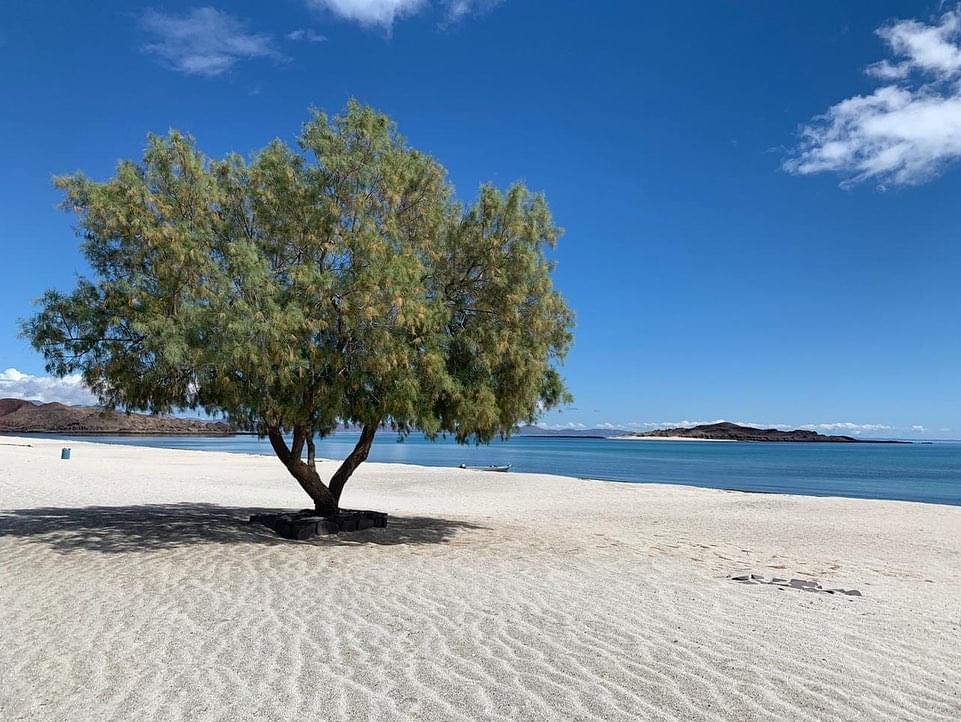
(731, 486)
(510, 475)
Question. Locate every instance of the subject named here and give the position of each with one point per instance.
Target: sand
(132, 588)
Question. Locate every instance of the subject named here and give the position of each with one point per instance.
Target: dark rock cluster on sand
(802, 584)
(306, 524)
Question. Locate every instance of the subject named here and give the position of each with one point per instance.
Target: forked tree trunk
(306, 475)
(326, 499)
(354, 459)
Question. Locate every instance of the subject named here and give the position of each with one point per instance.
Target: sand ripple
(155, 604)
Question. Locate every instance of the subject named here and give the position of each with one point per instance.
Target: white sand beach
(131, 587)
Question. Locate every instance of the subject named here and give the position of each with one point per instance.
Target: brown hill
(726, 431)
(8, 406)
(19, 416)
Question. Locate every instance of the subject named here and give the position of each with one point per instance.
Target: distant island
(20, 416)
(726, 431)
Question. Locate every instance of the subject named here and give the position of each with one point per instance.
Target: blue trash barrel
(64, 453)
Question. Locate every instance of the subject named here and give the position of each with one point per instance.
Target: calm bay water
(910, 472)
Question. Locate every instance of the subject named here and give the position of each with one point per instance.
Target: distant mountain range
(726, 431)
(19, 416)
(570, 433)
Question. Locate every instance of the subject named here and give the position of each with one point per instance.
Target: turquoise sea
(926, 472)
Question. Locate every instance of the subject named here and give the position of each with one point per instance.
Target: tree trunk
(353, 460)
(324, 501)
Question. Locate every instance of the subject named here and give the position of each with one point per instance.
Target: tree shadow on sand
(156, 527)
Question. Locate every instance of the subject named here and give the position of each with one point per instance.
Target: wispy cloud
(204, 41)
(457, 10)
(846, 427)
(307, 35)
(68, 390)
(908, 129)
(384, 13)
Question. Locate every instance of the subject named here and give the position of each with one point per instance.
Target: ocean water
(911, 472)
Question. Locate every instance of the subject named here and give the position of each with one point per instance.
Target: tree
(336, 282)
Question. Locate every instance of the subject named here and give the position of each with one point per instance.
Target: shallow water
(910, 472)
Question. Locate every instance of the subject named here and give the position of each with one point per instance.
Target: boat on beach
(506, 467)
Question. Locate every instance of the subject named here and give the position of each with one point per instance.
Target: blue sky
(760, 198)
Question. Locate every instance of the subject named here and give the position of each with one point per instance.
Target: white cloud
(371, 12)
(926, 48)
(569, 426)
(847, 426)
(383, 13)
(205, 41)
(675, 424)
(307, 35)
(904, 132)
(457, 10)
(68, 390)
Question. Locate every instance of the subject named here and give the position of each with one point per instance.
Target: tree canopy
(336, 281)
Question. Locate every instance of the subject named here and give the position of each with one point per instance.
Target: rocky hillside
(726, 431)
(19, 416)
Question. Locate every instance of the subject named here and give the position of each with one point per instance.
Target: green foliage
(335, 281)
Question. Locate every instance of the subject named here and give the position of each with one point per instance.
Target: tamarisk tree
(336, 281)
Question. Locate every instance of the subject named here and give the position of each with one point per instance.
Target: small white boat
(506, 467)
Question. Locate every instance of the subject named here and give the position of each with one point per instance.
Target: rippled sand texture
(132, 588)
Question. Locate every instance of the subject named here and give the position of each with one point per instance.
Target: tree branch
(353, 460)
